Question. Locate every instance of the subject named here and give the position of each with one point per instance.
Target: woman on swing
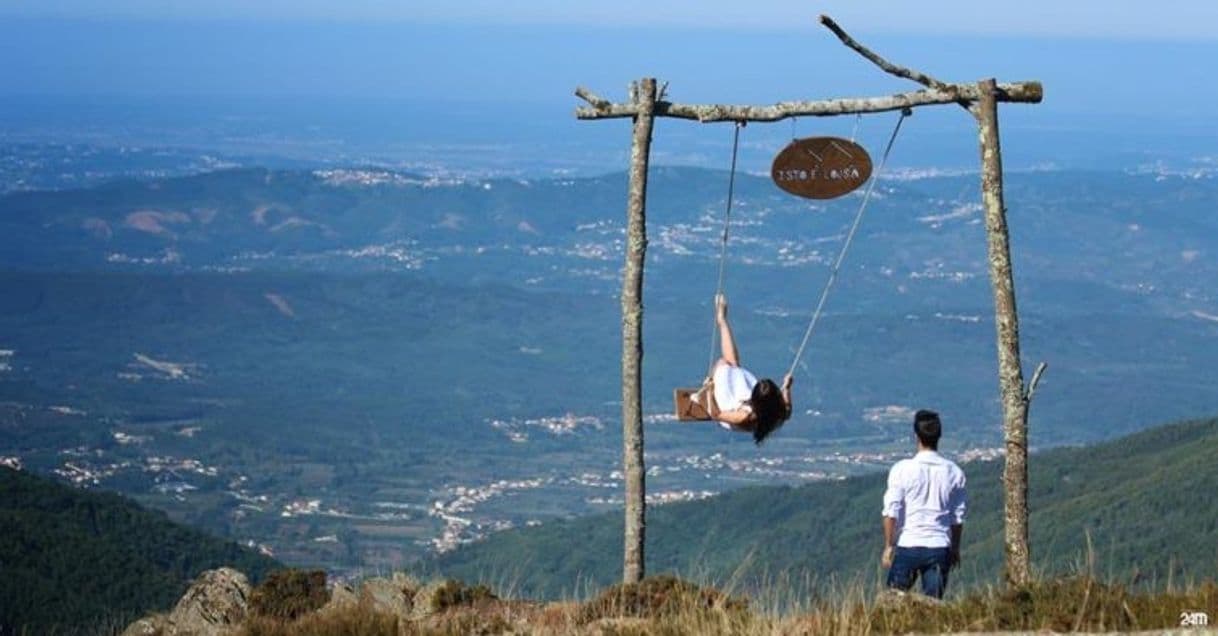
(735, 397)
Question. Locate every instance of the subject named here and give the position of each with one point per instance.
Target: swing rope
(858, 217)
(727, 220)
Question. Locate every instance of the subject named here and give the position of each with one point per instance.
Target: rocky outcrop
(150, 626)
(219, 602)
(392, 596)
(214, 605)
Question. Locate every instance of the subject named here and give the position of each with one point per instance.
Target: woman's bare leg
(727, 343)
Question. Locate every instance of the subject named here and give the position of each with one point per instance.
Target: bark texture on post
(600, 108)
(644, 97)
(1010, 370)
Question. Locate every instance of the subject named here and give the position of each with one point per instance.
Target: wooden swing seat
(687, 409)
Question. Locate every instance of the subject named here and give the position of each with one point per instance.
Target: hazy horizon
(488, 87)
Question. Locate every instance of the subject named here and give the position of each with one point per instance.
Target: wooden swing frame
(980, 99)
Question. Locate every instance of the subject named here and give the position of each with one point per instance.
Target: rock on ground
(214, 605)
(150, 626)
(394, 596)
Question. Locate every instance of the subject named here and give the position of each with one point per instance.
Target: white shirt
(926, 496)
(733, 387)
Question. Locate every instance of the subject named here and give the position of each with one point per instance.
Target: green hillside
(78, 562)
(1147, 501)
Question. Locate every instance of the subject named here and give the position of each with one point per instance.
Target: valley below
(360, 368)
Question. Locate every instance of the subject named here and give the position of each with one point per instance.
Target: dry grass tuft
(288, 594)
(659, 597)
(452, 593)
(1063, 605)
(354, 621)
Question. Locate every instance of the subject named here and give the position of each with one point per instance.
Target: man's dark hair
(928, 428)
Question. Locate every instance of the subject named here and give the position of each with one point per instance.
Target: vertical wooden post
(644, 95)
(1006, 319)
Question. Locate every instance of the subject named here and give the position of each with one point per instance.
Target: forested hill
(1146, 501)
(74, 561)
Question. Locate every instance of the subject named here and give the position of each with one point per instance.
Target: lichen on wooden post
(644, 96)
(1006, 320)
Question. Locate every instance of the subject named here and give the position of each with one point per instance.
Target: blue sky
(1168, 19)
(491, 49)
(1109, 66)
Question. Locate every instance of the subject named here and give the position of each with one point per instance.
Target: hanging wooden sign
(821, 167)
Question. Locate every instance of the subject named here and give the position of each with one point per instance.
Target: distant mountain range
(1083, 241)
(1138, 509)
(82, 562)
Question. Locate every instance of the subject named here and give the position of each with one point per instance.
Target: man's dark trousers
(929, 564)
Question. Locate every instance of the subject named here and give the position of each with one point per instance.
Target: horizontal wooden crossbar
(1026, 92)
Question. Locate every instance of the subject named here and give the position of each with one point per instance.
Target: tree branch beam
(1031, 392)
(597, 101)
(1018, 92)
(885, 65)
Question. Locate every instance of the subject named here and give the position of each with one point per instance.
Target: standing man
(923, 513)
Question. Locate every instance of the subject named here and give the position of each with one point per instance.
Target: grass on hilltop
(668, 605)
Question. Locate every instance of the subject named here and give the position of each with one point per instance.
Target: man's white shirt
(926, 496)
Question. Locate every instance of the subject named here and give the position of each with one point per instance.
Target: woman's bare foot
(720, 308)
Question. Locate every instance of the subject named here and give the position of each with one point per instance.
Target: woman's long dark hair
(769, 409)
